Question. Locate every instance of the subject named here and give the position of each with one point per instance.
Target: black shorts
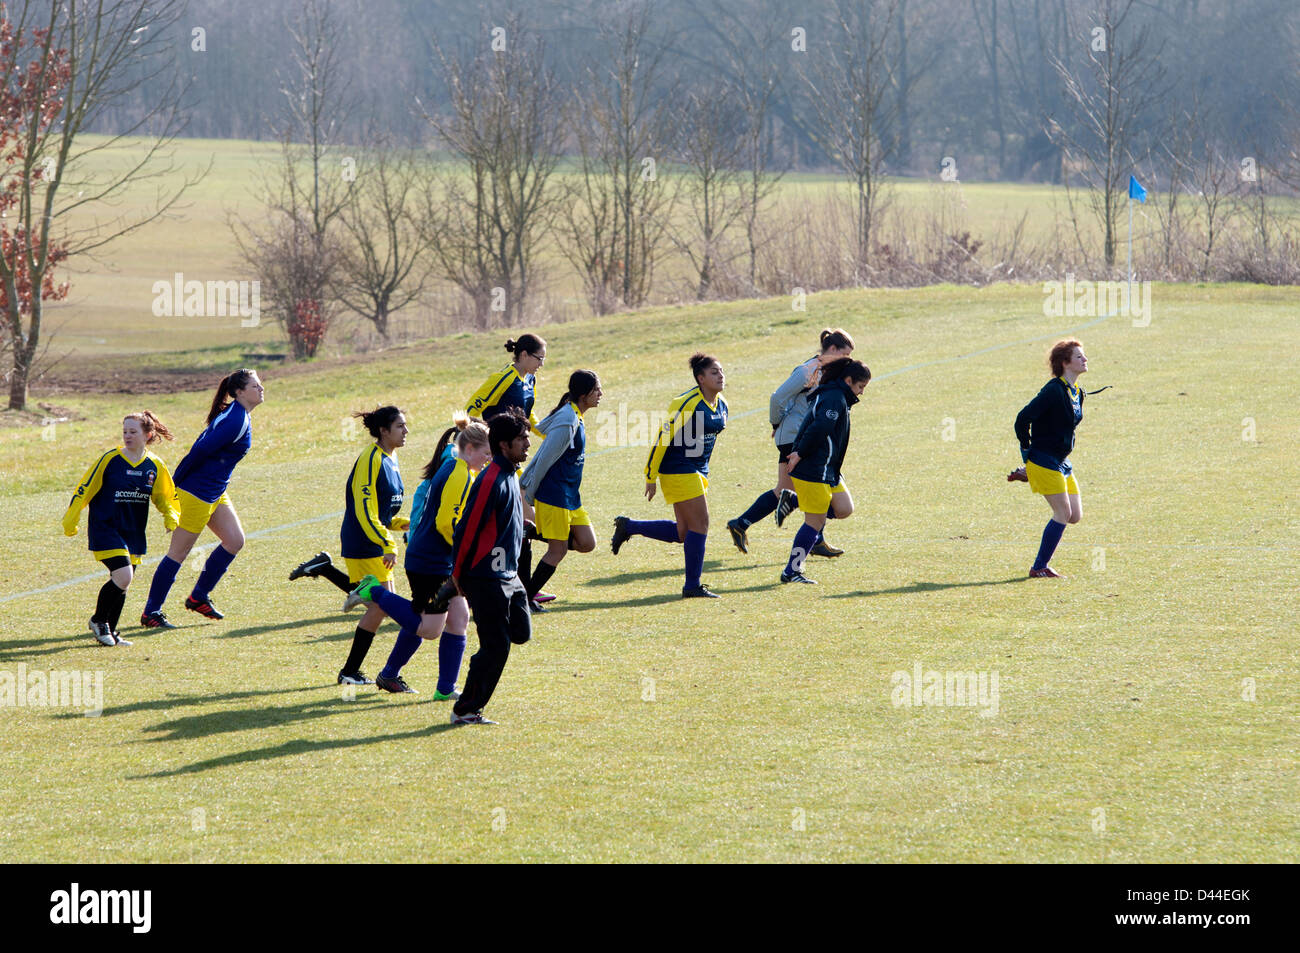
(114, 563)
(784, 450)
(424, 586)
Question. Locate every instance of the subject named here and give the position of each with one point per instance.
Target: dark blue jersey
(1046, 425)
(371, 498)
(489, 534)
(205, 471)
(117, 493)
(505, 389)
(554, 475)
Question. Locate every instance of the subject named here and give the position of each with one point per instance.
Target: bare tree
(311, 187)
(615, 225)
(68, 64)
(1118, 85)
(847, 82)
(712, 144)
(487, 212)
(384, 266)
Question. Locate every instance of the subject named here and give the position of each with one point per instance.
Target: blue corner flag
(1135, 190)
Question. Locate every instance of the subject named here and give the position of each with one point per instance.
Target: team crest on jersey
(150, 479)
(832, 415)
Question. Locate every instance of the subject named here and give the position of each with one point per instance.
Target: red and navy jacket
(488, 536)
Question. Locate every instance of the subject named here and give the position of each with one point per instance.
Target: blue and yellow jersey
(506, 388)
(118, 493)
(488, 535)
(554, 475)
(686, 439)
(205, 471)
(372, 497)
(429, 547)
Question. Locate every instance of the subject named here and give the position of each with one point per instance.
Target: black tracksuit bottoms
(501, 615)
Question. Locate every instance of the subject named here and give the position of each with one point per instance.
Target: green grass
(1120, 688)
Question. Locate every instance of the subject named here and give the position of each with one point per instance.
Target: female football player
(429, 615)
(787, 409)
(679, 461)
(118, 489)
(512, 387)
(1045, 429)
(201, 478)
(554, 477)
(817, 457)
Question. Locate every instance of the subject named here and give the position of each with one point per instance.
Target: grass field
(1146, 713)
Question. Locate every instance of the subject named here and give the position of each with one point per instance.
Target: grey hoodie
(789, 403)
(559, 429)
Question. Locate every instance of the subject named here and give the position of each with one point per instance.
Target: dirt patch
(45, 413)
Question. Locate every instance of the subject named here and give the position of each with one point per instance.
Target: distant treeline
(977, 81)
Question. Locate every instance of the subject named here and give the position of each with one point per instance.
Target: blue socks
(762, 507)
(218, 562)
(804, 541)
(694, 555)
(451, 649)
(163, 577)
(1051, 536)
(663, 530)
(405, 646)
(397, 608)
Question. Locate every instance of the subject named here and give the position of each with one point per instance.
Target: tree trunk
(18, 384)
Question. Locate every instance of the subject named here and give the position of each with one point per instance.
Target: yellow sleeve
(364, 476)
(453, 498)
(490, 393)
(164, 496)
(532, 423)
(86, 489)
(679, 411)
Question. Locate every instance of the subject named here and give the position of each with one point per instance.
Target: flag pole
(1130, 245)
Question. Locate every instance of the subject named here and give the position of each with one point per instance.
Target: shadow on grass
(226, 720)
(277, 626)
(181, 701)
(926, 587)
(290, 749)
(17, 650)
(712, 566)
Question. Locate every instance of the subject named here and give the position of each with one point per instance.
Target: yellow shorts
(816, 497)
(554, 522)
(1048, 482)
(195, 513)
(359, 568)
(102, 554)
(680, 487)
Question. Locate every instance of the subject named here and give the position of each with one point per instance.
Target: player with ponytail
(202, 477)
(118, 489)
(372, 497)
(679, 461)
(787, 409)
(554, 476)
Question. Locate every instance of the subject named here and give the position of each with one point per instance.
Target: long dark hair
(581, 383)
(378, 419)
(466, 429)
(230, 385)
(845, 367)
